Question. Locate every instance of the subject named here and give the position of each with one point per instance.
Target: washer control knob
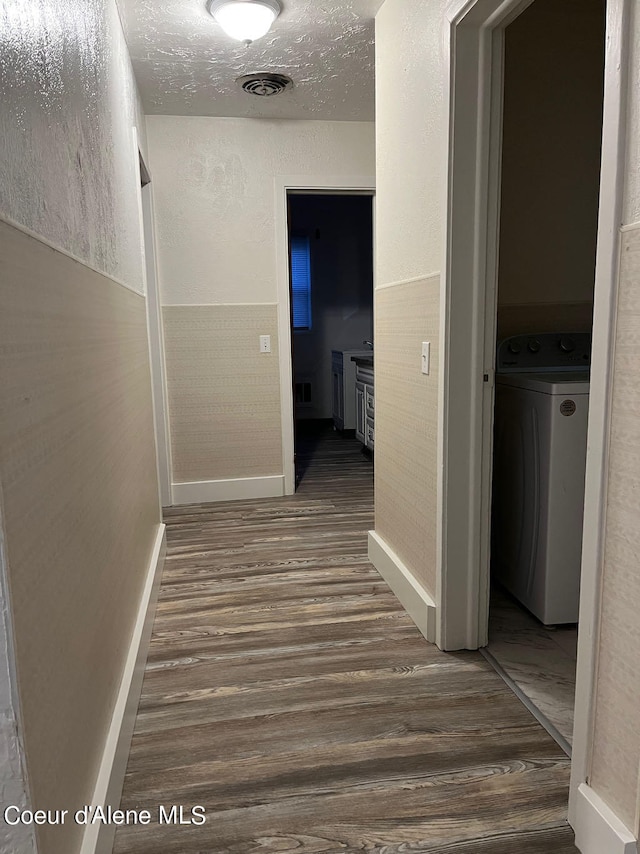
(567, 345)
(514, 347)
(533, 345)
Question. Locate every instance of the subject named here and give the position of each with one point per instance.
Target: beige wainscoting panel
(406, 423)
(616, 755)
(224, 395)
(81, 509)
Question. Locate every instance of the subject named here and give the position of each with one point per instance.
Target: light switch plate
(265, 343)
(426, 357)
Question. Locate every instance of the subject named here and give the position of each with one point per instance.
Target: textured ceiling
(186, 65)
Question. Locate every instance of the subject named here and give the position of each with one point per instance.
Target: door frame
(300, 183)
(154, 326)
(476, 37)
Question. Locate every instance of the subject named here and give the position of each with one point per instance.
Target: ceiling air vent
(265, 84)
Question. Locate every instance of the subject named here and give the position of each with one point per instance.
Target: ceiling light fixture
(245, 20)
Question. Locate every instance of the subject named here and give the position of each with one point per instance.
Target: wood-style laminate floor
(288, 693)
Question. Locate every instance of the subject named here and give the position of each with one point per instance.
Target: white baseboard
(414, 598)
(236, 489)
(598, 829)
(98, 838)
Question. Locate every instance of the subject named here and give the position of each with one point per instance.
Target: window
(301, 281)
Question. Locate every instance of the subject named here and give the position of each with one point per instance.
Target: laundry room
(550, 185)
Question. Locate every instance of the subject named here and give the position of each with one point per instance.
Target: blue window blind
(301, 281)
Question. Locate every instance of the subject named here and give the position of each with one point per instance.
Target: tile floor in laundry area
(540, 660)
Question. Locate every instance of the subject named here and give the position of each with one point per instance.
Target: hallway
(288, 693)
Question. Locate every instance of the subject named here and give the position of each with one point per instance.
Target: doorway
(469, 314)
(330, 239)
(284, 188)
(155, 333)
(549, 194)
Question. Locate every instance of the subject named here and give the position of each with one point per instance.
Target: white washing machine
(542, 402)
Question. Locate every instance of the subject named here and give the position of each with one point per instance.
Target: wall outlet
(265, 343)
(426, 357)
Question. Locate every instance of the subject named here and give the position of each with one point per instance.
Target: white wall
(215, 202)
(340, 230)
(410, 139)
(66, 131)
(215, 199)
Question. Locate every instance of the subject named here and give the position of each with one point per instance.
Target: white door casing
(476, 36)
(154, 329)
(282, 185)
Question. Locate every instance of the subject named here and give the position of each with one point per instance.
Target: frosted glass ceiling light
(245, 20)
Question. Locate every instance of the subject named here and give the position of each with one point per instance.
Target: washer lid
(571, 383)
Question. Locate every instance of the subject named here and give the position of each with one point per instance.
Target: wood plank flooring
(288, 693)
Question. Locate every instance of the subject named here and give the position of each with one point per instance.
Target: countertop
(365, 361)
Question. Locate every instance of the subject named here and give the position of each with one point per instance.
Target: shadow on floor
(319, 445)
